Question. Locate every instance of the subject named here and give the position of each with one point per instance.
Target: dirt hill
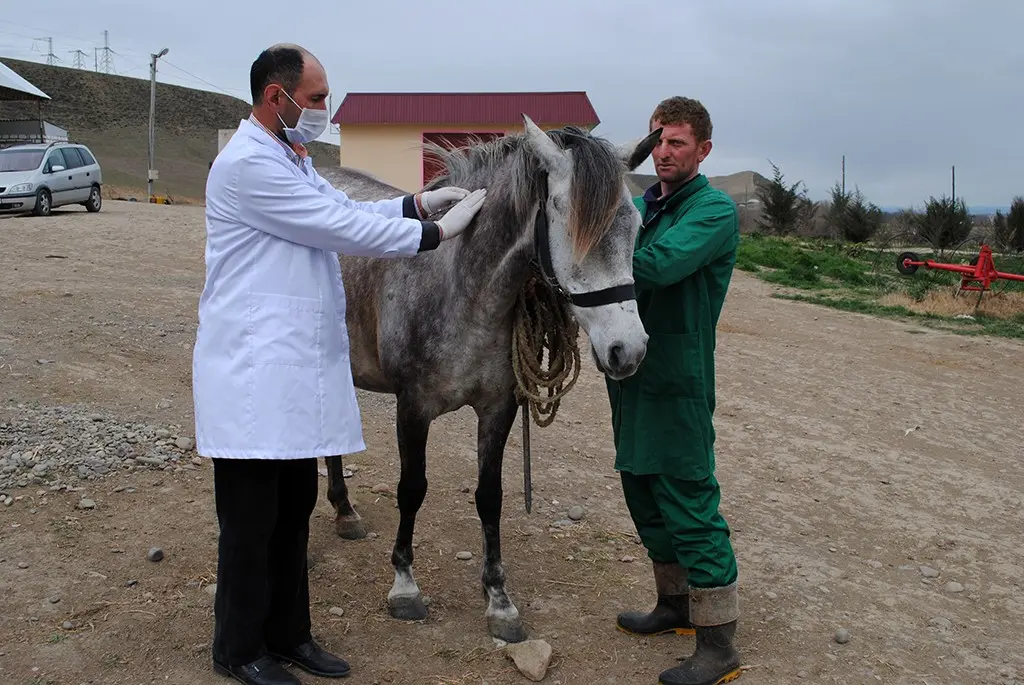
(110, 114)
(739, 186)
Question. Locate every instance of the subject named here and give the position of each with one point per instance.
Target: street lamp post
(152, 120)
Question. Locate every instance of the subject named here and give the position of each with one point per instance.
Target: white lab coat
(271, 376)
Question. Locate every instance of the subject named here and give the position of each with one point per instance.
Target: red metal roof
(467, 108)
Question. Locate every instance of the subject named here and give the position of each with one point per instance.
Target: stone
(577, 513)
(155, 554)
(531, 657)
(336, 611)
(464, 556)
(940, 623)
(211, 589)
(842, 636)
(954, 586)
(68, 625)
(86, 503)
(381, 489)
(929, 572)
(184, 443)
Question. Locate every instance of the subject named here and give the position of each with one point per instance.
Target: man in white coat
(272, 383)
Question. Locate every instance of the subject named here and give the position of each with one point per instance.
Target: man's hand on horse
(461, 215)
(434, 201)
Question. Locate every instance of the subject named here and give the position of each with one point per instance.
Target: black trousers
(262, 602)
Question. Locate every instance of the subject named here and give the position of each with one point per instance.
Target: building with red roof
(383, 133)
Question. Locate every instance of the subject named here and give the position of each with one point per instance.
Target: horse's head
(586, 229)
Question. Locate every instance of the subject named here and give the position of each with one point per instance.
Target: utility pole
(107, 64)
(844, 175)
(954, 184)
(79, 58)
(51, 58)
(152, 119)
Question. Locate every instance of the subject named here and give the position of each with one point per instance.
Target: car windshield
(20, 160)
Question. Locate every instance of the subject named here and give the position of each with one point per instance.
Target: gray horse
(436, 330)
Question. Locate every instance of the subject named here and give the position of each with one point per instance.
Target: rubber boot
(672, 612)
(714, 612)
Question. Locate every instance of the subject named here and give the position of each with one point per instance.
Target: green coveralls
(662, 415)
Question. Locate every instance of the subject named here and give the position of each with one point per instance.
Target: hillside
(739, 186)
(110, 114)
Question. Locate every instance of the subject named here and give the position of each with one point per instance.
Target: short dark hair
(278, 64)
(676, 111)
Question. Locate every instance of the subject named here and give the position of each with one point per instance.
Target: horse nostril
(615, 356)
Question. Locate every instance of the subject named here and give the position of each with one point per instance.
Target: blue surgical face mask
(310, 126)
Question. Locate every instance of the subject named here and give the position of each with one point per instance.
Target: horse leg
(347, 522)
(494, 424)
(404, 599)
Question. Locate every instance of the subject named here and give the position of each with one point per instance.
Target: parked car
(37, 178)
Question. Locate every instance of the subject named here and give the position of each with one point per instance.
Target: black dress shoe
(263, 671)
(314, 659)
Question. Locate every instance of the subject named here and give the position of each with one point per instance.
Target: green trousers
(678, 522)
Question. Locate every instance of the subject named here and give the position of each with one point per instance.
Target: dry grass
(942, 303)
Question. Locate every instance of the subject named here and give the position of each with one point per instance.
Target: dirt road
(871, 471)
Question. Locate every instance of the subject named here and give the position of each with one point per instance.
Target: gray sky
(904, 88)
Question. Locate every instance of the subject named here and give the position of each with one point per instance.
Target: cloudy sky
(905, 89)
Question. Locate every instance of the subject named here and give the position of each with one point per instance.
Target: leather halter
(593, 298)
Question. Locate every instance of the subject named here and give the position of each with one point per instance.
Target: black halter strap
(593, 298)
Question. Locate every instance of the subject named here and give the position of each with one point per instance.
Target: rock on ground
(531, 657)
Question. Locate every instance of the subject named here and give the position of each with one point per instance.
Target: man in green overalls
(662, 415)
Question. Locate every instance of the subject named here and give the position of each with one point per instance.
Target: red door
(449, 140)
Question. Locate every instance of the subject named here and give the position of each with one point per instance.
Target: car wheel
(44, 204)
(95, 200)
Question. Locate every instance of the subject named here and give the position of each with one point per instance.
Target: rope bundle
(543, 322)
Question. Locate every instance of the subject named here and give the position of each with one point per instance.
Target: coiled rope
(543, 323)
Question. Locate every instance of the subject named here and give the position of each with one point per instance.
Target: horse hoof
(509, 630)
(350, 528)
(407, 608)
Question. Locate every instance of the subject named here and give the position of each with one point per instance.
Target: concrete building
(383, 133)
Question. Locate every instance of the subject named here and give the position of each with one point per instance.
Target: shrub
(944, 223)
(782, 207)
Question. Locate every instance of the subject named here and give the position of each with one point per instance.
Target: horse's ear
(634, 153)
(551, 157)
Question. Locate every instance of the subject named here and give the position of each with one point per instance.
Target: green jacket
(682, 265)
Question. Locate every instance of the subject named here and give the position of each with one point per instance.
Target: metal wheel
(44, 203)
(887, 247)
(95, 200)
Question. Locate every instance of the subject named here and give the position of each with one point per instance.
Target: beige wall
(393, 153)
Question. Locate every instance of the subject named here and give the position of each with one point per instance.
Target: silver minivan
(37, 178)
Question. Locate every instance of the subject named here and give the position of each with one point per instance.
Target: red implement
(978, 276)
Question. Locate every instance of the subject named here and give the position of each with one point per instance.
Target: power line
(223, 91)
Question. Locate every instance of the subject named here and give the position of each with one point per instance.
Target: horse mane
(512, 175)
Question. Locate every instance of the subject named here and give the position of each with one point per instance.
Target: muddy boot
(670, 614)
(714, 612)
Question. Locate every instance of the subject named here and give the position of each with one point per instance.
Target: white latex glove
(461, 215)
(432, 201)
